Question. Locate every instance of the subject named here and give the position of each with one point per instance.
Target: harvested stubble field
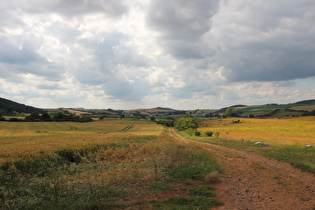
(101, 165)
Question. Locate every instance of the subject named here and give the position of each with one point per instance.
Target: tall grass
(300, 157)
(112, 173)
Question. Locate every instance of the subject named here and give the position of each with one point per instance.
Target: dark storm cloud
(119, 88)
(99, 68)
(156, 51)
(107, 64)
(267, 42)
(181, 24)
(271, 64)
(72, 8)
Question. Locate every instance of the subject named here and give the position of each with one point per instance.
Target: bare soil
(251, 181)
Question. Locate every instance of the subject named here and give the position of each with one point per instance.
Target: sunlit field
(138, 127)
(18, 139)
(104, 164)
(294, 131)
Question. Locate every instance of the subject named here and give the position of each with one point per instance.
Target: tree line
(53, 117)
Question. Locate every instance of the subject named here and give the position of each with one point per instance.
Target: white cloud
(179, 53)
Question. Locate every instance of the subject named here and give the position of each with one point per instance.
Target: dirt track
(252, 181)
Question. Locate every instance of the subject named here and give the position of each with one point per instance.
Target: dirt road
(252, 181)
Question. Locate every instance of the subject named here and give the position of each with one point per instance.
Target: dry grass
(20, 139)
(294, 131)
(105, 164)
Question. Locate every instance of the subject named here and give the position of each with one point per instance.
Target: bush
(197, 133)
(191, 131)
(185, 123)
(209, 133)
(167, 123)
(14, 119)
(217, 134)
(2, 118)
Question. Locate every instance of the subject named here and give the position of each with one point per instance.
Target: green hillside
(275, 110)
(8, 107)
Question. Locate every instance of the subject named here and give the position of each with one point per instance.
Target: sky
(182, 54)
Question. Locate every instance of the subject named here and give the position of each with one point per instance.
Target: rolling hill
(8, 107)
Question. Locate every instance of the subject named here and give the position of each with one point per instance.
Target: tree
(185, 123)
(228, 112)
(45, 117)
(34, 116)
(2, 118)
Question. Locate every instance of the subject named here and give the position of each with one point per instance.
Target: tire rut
(251, 181)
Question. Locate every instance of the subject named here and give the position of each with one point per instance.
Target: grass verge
(299, 156)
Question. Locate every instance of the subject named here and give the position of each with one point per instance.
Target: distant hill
(305, 102)
(152, 111)
(8, 107)
(300, 108)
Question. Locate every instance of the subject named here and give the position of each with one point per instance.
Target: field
(25, 138)
(291, 131)
(286, 138)
(304, 108)
(104, 164)
(135, 164)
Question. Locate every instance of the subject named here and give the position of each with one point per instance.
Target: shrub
(2, 118)
(185, 123)
(217, 134)
(209, 133)
(167, 123)
(14, 119)
(197, 133)
(191, 131)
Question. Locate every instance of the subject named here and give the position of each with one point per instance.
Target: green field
(277, 110)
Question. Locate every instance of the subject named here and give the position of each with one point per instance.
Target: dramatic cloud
(179, 53)
(181, 25)
(262, 41)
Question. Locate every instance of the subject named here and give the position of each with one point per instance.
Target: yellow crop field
(293, 131)
(18, 139)
(107, 164)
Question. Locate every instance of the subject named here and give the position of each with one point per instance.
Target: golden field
(291, 131)
(18, 139)
(106, 164)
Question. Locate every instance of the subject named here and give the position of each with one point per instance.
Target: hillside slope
(8, 107)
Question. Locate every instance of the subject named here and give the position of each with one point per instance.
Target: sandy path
(252, 181)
